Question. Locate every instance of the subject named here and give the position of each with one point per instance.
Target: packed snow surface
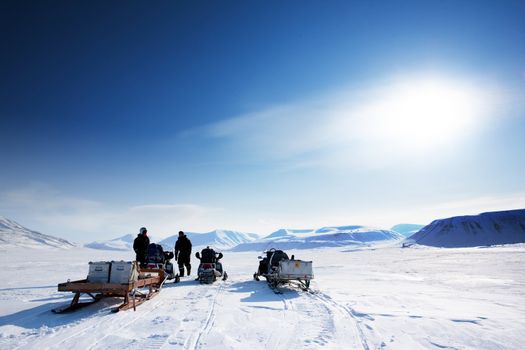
(493, 228)
(12, 234)
(323, 237)
(373, 297)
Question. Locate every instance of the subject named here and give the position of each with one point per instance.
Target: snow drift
(12, 234)
(323, 237)
(492, 228)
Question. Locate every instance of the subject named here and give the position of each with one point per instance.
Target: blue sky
(258, 115)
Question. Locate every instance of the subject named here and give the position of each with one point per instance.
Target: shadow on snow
(260, 292)
(42, 316)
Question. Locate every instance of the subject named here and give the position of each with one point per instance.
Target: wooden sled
(152, 279)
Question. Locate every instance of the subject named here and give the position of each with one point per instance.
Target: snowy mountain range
(407, 230)
(124, 243)
(323, 237)
(12, 234)
(492, 228)
(220, 239)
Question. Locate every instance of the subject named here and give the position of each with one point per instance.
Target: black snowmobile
(279, 269)
(157, 258)
(210, 268)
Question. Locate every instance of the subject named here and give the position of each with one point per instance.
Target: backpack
(155, 253)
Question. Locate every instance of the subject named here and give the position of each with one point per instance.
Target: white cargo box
(99, 271)
(296, 269)
(123, 272)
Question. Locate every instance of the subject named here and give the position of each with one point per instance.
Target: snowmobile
(157, 258)
(210, 268)
(279, 269)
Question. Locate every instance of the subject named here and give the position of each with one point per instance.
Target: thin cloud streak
(356, 126)
(45, 209)
(86, 220)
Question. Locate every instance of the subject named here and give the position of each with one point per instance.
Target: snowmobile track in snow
(210, 320)
(298, 309)
(286, 312)
(90, 323)
(155, 342)
(346, 311)
(176, 337)
(133, 320)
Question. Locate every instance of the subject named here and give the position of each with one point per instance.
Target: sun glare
(420, 113)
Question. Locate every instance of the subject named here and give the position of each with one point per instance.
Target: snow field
(363, 298)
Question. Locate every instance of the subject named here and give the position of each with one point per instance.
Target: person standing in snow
(140, 246)
(183, 253)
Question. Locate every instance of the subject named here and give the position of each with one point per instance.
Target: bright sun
(423, 112)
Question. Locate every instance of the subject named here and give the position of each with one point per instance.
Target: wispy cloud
(81, 220)
(424, 213)
(394, 119)
(43, 208)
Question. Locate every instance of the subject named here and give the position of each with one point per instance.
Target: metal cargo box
(99, 271)
(296, 269)
(123, 272)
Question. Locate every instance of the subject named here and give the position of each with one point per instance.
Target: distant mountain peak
(12, 234)
(490, 228)
(407, 229)
(122, 243)
(219, 238)
(329, 236)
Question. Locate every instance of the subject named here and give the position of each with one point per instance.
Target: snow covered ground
(364, 298)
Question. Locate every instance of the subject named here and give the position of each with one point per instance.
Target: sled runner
(278, 269)
(123, 280)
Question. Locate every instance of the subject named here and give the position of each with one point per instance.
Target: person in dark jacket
(140, 246)
(183, 253)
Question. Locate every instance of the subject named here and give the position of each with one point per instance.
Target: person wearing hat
(183, 253)
(140, 246)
